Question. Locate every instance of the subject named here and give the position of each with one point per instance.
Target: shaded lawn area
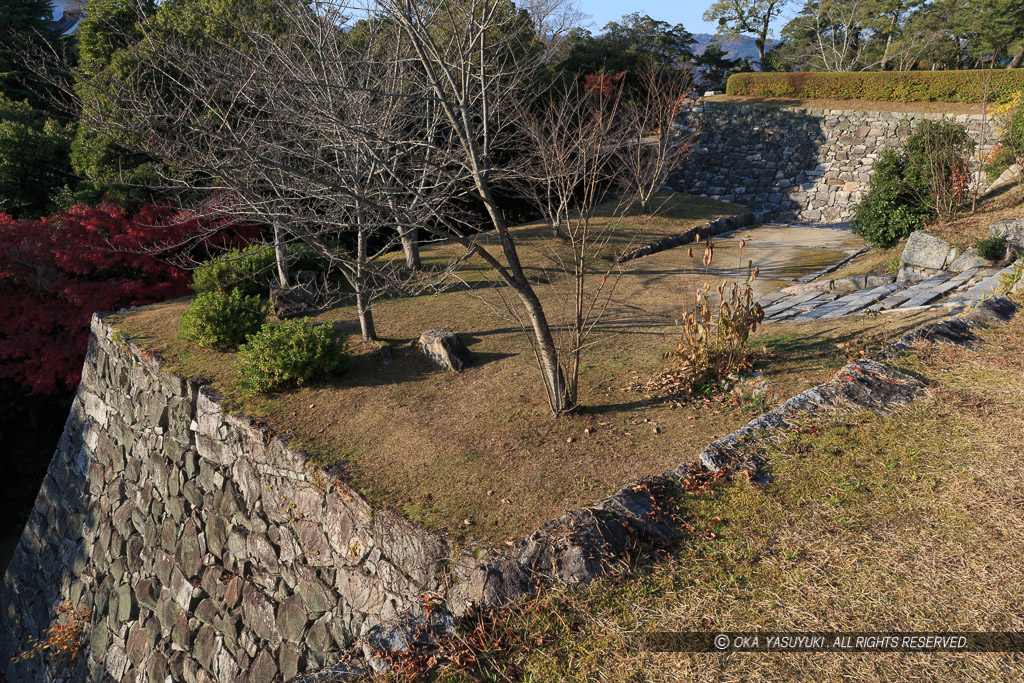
(907, 522)
(479, 445)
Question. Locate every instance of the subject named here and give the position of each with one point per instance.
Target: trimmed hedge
(881, 86)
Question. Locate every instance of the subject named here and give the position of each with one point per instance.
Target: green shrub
(289, 354)
(991, 249)
(222, 321)
(891, 210)
(927, 177)
(251, 269)
(885, 86)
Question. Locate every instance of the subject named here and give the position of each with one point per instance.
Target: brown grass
(909, 522)
(853, 105)
(433, 443)
(1004, 204)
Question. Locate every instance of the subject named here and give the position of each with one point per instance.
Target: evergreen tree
(24, 24)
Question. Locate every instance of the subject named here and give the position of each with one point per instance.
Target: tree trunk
(365, 313)
(1017, 60)
(759, 42)
(363, 307)
(547, 353)
(411, 246)
(280, 257)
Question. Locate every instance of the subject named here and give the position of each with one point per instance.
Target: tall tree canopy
(746, 16)
(23, 24)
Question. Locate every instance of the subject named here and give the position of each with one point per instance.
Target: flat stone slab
(790, 303)
(902, 296)
(929, 295)
(850, 303)
(982, 287)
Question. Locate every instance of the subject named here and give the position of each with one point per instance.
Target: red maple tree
(57, 270)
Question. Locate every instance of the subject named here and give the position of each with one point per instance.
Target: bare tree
(656, 146)
(584, 162)
(553, 20)
(300, 128)
(846, 35)
(351, 141)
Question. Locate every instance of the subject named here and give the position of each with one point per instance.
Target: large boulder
(1012, 231)
(925, 251)
(445, 349)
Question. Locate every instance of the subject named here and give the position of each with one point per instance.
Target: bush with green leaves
(891, 210)
(250, 269)
(926, 178)
(991, 249)
(222, 321)
(289, 354)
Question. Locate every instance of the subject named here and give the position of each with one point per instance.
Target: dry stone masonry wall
(206, 549)
(810, 165)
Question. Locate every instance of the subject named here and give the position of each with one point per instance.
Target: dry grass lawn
(908, 522)
(434, 443)
(1004, 204)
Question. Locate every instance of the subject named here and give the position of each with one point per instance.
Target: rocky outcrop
(798, 164)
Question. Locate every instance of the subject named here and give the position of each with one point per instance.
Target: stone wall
(809, 165)
(206, 549)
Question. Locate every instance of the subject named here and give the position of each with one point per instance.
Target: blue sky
(685, 12)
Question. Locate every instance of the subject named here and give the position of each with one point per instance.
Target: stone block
(292, 618)
(925, 251)
(1012, 231)
(445, 349)
(967, 260)
(258, 614)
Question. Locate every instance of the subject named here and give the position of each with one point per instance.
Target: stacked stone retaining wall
(810, 165)
(205, 549)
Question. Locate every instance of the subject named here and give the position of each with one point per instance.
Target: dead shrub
(713, 342)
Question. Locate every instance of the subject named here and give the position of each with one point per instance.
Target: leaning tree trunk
(1017, 60)
(559, 399)
(411, 246)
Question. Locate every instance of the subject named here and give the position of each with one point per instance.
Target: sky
(685, 12)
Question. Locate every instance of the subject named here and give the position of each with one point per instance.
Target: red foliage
(602, 84)
(57, 270)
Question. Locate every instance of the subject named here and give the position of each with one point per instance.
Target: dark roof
(68, 21)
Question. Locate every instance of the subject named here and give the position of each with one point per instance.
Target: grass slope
(906, 522)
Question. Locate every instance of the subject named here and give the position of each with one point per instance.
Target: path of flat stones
(815, 297)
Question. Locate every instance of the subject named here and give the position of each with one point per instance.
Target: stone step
(789, 303)
(909, 293)
(850, 303)
(772, 298)
(982, 287)
(933, 293)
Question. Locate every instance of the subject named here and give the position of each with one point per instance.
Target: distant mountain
(741, 47)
